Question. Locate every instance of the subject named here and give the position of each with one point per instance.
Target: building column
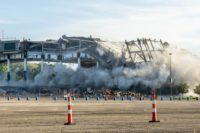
(79, 59)
(60, 58)
(42, 61)
(8, 68)
(25, 66)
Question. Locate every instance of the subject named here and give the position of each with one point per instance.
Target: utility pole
(170, 63)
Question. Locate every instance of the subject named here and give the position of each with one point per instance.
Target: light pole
(170, 65)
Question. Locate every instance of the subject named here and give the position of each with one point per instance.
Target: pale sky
(175, 21)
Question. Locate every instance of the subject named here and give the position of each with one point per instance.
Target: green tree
(197, 89)
(182, 87)
(3, 68)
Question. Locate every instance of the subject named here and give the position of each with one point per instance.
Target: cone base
(69, 124)
(154, 121)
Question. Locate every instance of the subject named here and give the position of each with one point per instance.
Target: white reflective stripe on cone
(69, 111)
(153, 110)
(154, 101)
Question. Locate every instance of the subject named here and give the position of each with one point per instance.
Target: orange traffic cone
(69, 111)
(154, 112)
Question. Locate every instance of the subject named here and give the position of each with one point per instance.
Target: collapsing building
(87, 52)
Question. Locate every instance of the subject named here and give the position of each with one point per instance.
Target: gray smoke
(152, 75)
